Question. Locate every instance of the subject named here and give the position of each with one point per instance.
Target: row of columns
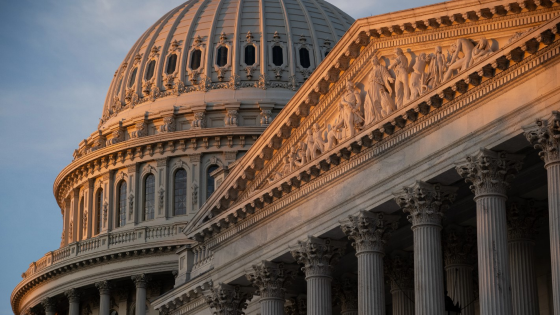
(490, 174)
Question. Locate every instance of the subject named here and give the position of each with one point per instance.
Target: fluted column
(346, 295)
(74, 299)
(227, 299)
(49, 306)
(459, 249)
(400, 271)
(369, 233)
(318, 256)
(544, 136)
(523, 221)
(104, 297)
(141, 282)
(426, 204)
(490, 174)
(270, 279)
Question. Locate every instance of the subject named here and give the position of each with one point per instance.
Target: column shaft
(371, 289)
(319, 295)
(460, 287)
(525, 297)
(553, 170)
(428, 270)
(493, 260)
(272, 306)
(403, 303)
(74, 308)
(104, 303)
(140, 300)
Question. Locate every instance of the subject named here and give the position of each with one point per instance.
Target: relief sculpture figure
(418, 76)
(400, 66)
(349, 108)
(437, 67)
(481, 51)
(465, 46)
(378, 102)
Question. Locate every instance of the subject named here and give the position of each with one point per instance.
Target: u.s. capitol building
(277, 157)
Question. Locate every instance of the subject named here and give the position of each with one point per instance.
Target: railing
(106, 241)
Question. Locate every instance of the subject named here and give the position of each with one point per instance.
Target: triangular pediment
(386, 73)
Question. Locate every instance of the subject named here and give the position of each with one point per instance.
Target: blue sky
(57, 58)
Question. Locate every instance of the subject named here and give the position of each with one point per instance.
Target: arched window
(304, 60)
(132, 77)
(149, 197)
(121, 207)
(277, 56)
(221, 59)
(210, 184)
(150, 70)
(196, 57)
(98, 210)
(249, 55)
(180, 193)
(171, 63)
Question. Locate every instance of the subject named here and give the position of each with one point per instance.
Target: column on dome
(227, 299)
(490, 173)
(346, 295)
(65, 223)
(141, 282)
(426, 204)
(104, 288)
(544, 136)
(400, 272)
(161, 189)
(318, 257)
(87, 216)
(73, 296)
(133, 194)
(49, 305)
(369, 233)
(459, 252)
(523, 218)
(108, 182)
(269, 279)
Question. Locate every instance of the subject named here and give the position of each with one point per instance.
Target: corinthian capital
(141, 280)
(104, 287)
(318, 255)
(459, 245)
(490, 172)
(226, 299)
(48, 304)
(269, 278)
(544, 135)
(425, 202)
(524, 217)
(73, 295)
(369, 231)
(399, 268)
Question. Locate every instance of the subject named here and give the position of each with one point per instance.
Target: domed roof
(219, 51)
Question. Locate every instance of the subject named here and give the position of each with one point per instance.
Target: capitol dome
(207, 53)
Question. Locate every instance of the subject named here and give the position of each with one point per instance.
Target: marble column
(459, 252)
(490, 173)
(346, 296)
(270, 279)
(523, 222)
(104, 297)
(544, 136)
(74, 299)
(141, 282)
(426, 204)
(49, 306)
(318, 256)
(369, 233)
(400, 272)
(227, 299)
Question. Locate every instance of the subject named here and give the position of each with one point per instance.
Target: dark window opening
(180, 196)
(195, 59)
(250, 55)
(149, 197)
(277, 56)
(304, 60)
(221, 59)
(132, 77)
(151, 69)
(171, 64)
(121, 212)
(210, 184)
(98, 209)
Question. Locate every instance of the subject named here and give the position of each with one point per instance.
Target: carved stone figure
(400, 66)
(418, 76)
(168, 124)
(378, 102)
(231, 118)
(199, 120)
(437, 67)
(349, 108)
(465, 46)
(141, 130)
(481, 51)
(284, 169)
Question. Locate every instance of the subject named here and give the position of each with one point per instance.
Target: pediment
(385, 74)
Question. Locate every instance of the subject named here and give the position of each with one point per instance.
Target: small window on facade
(121, 207)
(149, 197)
(210, 184)
(132, 77)
(171, 64)
(221, 59)
(304, 60)
(98, 210)
(180, 193)
(195, 59)
(277, 56)
(151, 69)
(250, 55)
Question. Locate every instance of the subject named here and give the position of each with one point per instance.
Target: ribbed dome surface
(212, 59)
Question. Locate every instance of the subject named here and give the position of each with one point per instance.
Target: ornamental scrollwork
(426, 203)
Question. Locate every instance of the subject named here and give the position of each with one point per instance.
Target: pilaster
(76, 215)
(196, 174)
(161, 193)
(89, 206)
(133, 195)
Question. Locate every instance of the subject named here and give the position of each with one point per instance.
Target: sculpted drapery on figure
(437, 67)
(418, 76)
(400, 66)
(378, 102)
(349, 108)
